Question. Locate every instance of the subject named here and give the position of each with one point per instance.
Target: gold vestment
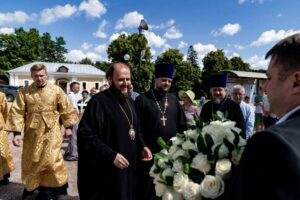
(41, 112)
(6, 160)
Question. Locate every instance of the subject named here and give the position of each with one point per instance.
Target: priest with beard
(109, 142)
(221, 102)
(160, 115)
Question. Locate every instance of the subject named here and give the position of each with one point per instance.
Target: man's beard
(217, 100)
(118, 92)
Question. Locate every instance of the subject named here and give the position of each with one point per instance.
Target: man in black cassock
(160, 115)
(221, 102)
(109, 142)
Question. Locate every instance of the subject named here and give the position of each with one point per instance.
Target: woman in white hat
(189, 106)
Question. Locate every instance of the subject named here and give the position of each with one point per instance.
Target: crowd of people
(113, 133)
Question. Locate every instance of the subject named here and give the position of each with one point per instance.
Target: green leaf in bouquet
(216, 117)
(169, 180)
(199, 123)
(236, 137)
(162, 143)
(161, 156)
(228, 144)
(196, 175)
(186, 168)
(216, 151)
(183, 159)
(192, 153)
(201, 144)
(209, 143)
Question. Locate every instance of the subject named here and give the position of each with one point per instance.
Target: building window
(97, 86)
(84, 85)
(26, 83)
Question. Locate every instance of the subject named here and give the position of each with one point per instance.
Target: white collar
(287, 115)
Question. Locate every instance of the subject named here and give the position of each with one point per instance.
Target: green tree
(103, 65)
(238, 64)
(24, 47)
(192, 56)
(141, 66)
(186, 75)
(86, 61)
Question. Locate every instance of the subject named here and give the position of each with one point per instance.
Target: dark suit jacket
(270, 165)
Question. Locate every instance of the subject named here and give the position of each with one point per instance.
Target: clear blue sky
(246, 28)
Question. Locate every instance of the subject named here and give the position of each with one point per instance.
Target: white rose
(180, 180)
(191, 191)
(172, 195)
(160, 189)
(201, 163)
(236, 155)
(167, 172)
(164, 151)
(180, 152)
(188, 145)
(242, 142)
(172, 150)
(223, 168)
(223, 151)
(176, 140)
(229, 124)
(161, 163)
(212, 186)
(230, 136)
(151, 172)
(177, 166)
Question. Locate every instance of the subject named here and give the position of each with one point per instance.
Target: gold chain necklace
(131, 129)
(163, 119)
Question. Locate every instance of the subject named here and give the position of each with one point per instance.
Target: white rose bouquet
(195, 164)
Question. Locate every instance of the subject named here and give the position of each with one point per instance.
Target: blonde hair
(38, 67)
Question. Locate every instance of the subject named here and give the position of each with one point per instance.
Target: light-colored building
(250, 80)
(61, 74)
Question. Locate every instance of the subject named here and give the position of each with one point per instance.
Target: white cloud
(170, 23)
(182, 45)
(100, 32)
(50, 15)
(92, 8)
(101, 48)
(6, 30)
(228, 30)
(154, 40)
(19, 17)
(76, 55)
(272, 36)
(130, 20)
(251, 1)
(115, 36)
(279, 15)
(238, 47)
(85, 46)
(234, 54)
(202, 50)
(173, 33)
(257, 62)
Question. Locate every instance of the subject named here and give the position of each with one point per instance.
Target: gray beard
(217, 101)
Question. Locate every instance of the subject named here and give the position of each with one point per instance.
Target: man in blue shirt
(238, 94)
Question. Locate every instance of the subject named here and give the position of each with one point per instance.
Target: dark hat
(218, 80)
(164, 70)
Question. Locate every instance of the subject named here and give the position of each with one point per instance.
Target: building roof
(245, 74)
(74, 69)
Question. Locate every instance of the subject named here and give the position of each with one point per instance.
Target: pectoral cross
(163, 119)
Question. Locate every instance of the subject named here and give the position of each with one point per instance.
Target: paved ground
(14, 190)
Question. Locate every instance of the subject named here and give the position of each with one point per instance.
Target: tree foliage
(27, 46)
(238, 64)
(192, 56)
(141, 66)
(186, 75)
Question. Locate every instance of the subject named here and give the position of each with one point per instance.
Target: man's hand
(121, 162)
(146, 154)
(17, 140)
(68, 133)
